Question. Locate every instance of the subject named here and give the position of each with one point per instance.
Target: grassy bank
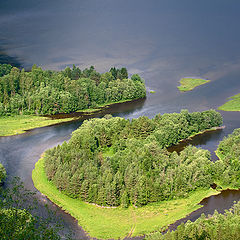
(188, 84)
(232, 105)
(117, 222)
(18, 124)
(12, 125)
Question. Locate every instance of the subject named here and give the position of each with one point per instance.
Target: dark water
(162, 40)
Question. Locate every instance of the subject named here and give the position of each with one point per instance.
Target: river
(162, 40)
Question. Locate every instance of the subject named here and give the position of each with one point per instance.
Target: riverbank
(232, 105)
(91, 111)
(184, 142)
(118, 222)
(188, 84)
(13, 125)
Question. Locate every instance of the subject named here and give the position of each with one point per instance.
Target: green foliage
(228, 165)
(2, 173)
(50, 92)
(188, 84)
(11, 125)
(215, 227)
(232, 105)
(5, 69)
(113, 161)
(19, 219)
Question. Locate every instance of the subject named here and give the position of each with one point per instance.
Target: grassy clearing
(106, 223)
(13, 125)
(232, 105)
(188, 84)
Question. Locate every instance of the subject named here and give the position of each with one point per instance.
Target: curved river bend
(161, 40)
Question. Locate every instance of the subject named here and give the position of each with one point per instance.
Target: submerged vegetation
(232, 105)
(188, 84)
(51, 92)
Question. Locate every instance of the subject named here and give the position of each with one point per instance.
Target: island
(118, 172)
(232, 105)
(188, 84)
(27, 97)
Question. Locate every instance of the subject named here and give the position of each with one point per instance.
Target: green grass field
(188, 84)
(232, 105)
(12, 125)
(117, 222)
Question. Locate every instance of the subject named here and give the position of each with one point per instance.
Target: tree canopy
(114, 161)
(51, 92)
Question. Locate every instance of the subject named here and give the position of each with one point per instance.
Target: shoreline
(194, 135)
(21, 124)
(189, 83)
(159, 215)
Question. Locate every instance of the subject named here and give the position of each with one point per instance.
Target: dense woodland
(115, 161)
(19, 219)
(51, 92)
(229, 164)
(215, 227)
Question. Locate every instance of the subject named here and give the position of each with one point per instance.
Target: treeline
(5, 69)
(229, 162)
(215, 227)
(114, 161)
(51, 92)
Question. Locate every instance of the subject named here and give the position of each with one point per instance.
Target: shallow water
(161, 40)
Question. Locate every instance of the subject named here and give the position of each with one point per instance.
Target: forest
(228, 164)
(19, 218)
(49, 92)
(114, 161)
(215, 227)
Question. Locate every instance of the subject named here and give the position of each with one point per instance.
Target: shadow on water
(114, 109)
(199, 140)
(6, 59)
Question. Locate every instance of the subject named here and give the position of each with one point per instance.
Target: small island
(118, 172)
(26, 98)
(232, 105)
(188, 84)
